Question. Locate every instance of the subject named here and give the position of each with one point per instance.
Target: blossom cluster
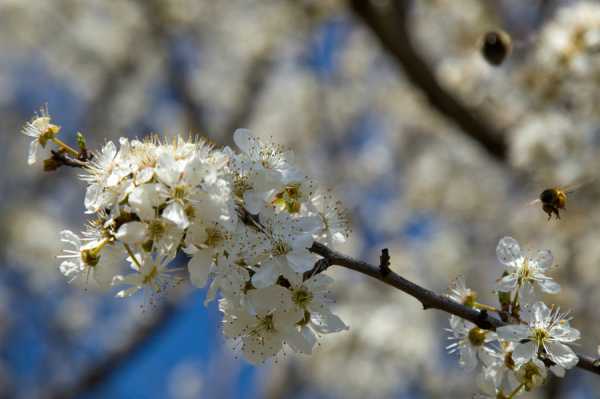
(516, 357)
(244, 221)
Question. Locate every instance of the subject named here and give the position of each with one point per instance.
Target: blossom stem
(65, 146)
(516, 391)
(132, 255)
(483, 306)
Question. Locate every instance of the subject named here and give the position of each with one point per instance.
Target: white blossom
(42, 131)
(522, 271)
(470, 341)
(99, 260)
(546, 332)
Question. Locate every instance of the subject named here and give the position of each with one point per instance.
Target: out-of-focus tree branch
(100, 372)
(177, 76)
(388, 21)
(428, 298)
(255, 81)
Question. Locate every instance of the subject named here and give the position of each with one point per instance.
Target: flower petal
(199, 268)
(549, 286)
(543, 260)
(514, 333)
(561, 354)
(524, 352)
(508, 282)
(176, 214)
(508, 251)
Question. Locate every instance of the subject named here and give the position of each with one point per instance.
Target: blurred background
(435, 152)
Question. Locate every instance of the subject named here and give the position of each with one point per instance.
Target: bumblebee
(554, 199)
(495, 47)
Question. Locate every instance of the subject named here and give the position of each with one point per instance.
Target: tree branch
(389, 24)
(428, 298)
(97, 375)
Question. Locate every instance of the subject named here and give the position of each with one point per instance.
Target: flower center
(48, 134)
(280, 248)
(241, 185)
(477, 336)
(266, 323)
(470, 299)
(215, 236)
(302, 297)
(156, 228)
(90, 257)
(540, 335)
(289, 198)
(179, 193)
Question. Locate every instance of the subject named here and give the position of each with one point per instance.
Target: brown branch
(389, 23)
(428, 298)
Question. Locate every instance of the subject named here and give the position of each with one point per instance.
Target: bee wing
(534, 202)
(577, 185)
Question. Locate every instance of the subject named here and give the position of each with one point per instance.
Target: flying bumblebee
(554, 199)
(495, 47)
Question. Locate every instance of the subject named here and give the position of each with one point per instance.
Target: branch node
(384, 262)
(320, 266)
(483, 321)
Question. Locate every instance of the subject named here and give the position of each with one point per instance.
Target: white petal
(70, 270)
(167, 170)
(301, 343)
(108, 266)
(144, 175)
(264, 300)
(561, 354)
(199, 267)
(254, 202)
(524, 352)
(558, 371)
(543, 260)
(564, 333)
(508, 282)
(67, 236)
(549, 286)
(468, 358)
(541, 313)
(143, 199)
(128, 292)
(326, 322)
(243, 139)
(132, 233)
(265, 276)
(92, 197)
(176, 214)
(301, 261)
(513, 333)
(508, 251)
(320, 282)
(35, 152)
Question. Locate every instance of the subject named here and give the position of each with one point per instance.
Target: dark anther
(384, 262)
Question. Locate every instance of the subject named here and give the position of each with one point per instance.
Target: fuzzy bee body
(553, 199)
(495, 47)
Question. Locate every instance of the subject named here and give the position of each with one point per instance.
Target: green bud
(504, 298)
(81, 141)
